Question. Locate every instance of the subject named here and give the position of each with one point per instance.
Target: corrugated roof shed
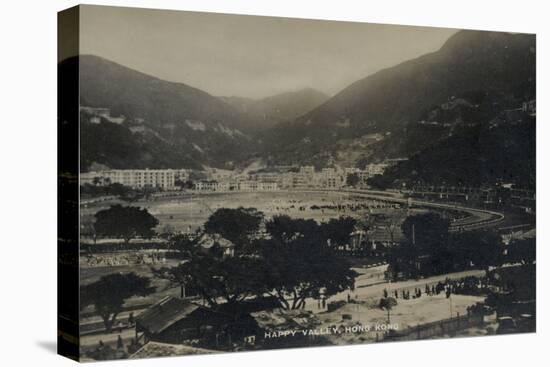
(155, 349)
(164, 313)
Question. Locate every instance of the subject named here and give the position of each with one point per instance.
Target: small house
(175, 320)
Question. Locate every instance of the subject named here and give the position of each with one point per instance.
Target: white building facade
(136, 178)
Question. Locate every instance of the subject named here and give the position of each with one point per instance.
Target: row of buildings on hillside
(98, 113)
(247, 185)
(223, 180)
(330, 177)
(303, 177)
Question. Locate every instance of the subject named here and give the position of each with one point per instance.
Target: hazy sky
(250, 56)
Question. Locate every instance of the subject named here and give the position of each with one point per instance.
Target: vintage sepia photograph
(247, 183)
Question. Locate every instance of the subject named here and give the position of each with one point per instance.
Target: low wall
(435, 329)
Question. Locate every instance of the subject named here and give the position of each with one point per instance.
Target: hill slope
(490, 71)
(269, 111)
(135, 94)
(159, 123)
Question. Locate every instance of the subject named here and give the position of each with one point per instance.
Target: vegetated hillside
(502, 151)
(487, 71)
(159, 123)
(267, 112)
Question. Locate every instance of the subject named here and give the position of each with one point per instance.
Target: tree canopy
(426, 230)
(523, 251)
(432, 249)
(109, 293)
(125, 222)
(338, 230)
(352, 179)
(236, 225)
(292, 262)
(299, 263)
(478, 248)
(186, 245)
(218, 279)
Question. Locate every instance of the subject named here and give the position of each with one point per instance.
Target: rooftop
(165, 313)
(279, 320)
(155, 349)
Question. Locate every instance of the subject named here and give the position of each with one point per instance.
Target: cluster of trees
(125, 222)
(289, 259)
(103, 187)
(194, 176)
(477, 156)
(109, 293)
(353, 180)
(114, 189)
(429, 248)
(522, 251)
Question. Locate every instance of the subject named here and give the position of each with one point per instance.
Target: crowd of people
(470, 285)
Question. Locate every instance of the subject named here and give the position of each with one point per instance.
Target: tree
(147, 191)
(292, 263)
(426, 236)
(187, 246)
(352, 179)
(183, 185)
(285, 229)
(393, 221)
(125, 222)
(88, 229)
(489, 251)
(236, 225)
(523, 251)
(118, 189)
(380, 182)
(478, 248)
(109, 293)
(166, 231)
(338, 230)
(426, 231)
(298, 263)
(218, 280)
(387, 303)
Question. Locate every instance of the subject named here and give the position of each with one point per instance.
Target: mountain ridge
(496, 68)
(277, 108)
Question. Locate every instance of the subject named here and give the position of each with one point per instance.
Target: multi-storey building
(246, 185)
(207, 186)
(304, 178)
(286, 180)
(331, 179)
(257, 186)
(182, 174)
(375, 169)
(136, 178)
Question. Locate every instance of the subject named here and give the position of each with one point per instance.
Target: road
(368, 286)
(477, 219)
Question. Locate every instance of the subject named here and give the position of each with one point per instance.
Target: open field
(187, 213)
